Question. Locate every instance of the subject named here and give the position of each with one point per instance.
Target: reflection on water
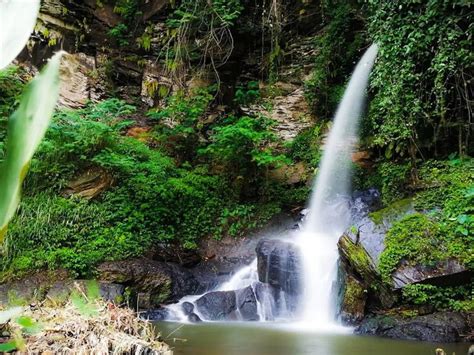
(280, 339)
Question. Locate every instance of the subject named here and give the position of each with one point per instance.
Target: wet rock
(156, 314)
(354, 297)
(446, 272)
(157, 282)
(357, 261)
(218, 305)
(372, 223)
(279, 264)
(31, 289)
(194, 318)
(442, 327)
(188, 308)
(220, 259)
(247, 304)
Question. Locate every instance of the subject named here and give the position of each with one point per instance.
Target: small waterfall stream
(251, 295)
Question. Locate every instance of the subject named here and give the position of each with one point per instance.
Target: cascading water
(329, 212)
(253, 293)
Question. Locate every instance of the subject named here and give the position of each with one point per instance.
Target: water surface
(281, 339)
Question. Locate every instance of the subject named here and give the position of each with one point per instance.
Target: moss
(354, 294)
(444, 229)
(414, 239)
(392, 212)
(358, 259)
(163, 295)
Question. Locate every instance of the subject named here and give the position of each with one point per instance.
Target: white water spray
(329, 210)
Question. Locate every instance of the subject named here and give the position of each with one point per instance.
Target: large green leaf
(17, 21)
(26, 128)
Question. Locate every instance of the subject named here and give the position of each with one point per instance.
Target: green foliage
(243, 146)
(457, 298)
(120, 33)
(179, 122)
(337, 47)
(247, 94)
(445, 230)
(414, 238)
(390, 178)
(200, 30)
(11, 86)
(128, 9)
(419, 81)
(306, 146)
(223, 12)
(152, 199)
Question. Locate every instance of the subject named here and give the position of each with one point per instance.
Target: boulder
(217, 305)
(280, 265)
(354, 298)
(31, 289)
(357, 261)
(443, 273)
(188, 308)
(246, 302)
(194, 318)
(156, 314)
(372, 222)
(155, 282)
(441, 327)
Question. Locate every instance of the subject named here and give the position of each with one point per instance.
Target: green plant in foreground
(26, 128)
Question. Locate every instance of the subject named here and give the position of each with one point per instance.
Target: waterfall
(329, 212)
(248, 294)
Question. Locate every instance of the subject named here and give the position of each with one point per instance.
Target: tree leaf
(26, 127)
(17, 21)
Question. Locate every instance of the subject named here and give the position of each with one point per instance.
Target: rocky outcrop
(219, 259)
(89, 184)
(358, 262)
(153, 282)
(53, 289)
(147, 282)
(373, 222)
(279, 264)
(353, 300)
(441, 327)
(227, 305)
(76, 74)
(218, 305)
(447, 272)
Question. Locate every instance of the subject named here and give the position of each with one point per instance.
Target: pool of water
(280, 339)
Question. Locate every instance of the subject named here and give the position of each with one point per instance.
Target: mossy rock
(353, 300)
(392, 212)
(358, 261)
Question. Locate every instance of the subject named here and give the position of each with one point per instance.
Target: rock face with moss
(143, 282)
(357, 262)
